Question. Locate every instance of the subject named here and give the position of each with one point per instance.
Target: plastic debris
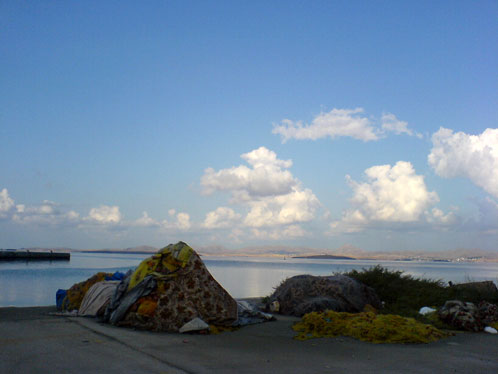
(426, 310)
(490, 330)
(248, 314)
(275, 307)
(196, 324)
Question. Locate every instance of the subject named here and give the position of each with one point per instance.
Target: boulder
(303, 294)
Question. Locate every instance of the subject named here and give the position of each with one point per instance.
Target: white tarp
(97, 297)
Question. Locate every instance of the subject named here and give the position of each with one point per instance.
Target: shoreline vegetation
(405, 295)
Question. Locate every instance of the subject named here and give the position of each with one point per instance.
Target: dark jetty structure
(12, 255)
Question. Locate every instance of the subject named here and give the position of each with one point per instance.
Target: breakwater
(33, 256)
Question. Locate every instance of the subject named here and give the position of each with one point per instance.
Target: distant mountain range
(352, 252)
(344, 252)
(326, 257)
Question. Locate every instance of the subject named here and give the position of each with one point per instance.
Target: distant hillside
(142, 248)
(326, 257)
(351, 252)
(132, 250)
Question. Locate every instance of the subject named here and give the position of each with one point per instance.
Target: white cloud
(145, 221)
(267, 177)
(336, 123)
(470, 156)
(47, 213)
(6, 203)
(391, 194)
(297, 206)
(105, 214)
(220, 218)
(272, 194)
(391, 123)
(437, 216)
(182, 221)
(292, 231)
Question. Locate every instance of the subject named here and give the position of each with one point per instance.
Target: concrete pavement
(32, 341)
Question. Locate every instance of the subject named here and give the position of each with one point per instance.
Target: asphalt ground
(33, 341)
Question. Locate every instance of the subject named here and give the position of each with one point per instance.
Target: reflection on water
(35, 283)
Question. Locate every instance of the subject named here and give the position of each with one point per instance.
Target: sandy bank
(32, 341)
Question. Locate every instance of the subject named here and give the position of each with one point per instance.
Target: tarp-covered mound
(170, 289)
(74, 296)
(303, 294)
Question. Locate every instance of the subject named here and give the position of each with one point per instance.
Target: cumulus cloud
(299, 205)
(220, 218)
(180, 221)
(288, 232)
(145, 221)
(6, 203)
(391, 194)
(393, 124)
(394, 193)
(270, 191)
(340, 123)
(470, 156)
(105, 215)
(183, 221)
(336, 123)
(47, 213)
(267, 177)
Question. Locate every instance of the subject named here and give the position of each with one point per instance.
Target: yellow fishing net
(366, 326)
(162, 264)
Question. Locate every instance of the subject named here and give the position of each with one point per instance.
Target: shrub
(401, 293)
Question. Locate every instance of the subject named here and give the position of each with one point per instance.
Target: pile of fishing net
(367, 326)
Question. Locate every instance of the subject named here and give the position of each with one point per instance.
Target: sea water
(35, 283)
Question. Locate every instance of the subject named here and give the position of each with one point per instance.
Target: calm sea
(35, 283)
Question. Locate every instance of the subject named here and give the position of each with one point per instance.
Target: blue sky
(241, 124)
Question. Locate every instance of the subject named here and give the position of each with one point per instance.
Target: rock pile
(467, 316)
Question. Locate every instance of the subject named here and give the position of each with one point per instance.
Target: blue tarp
(117, 276)
(59, 298)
